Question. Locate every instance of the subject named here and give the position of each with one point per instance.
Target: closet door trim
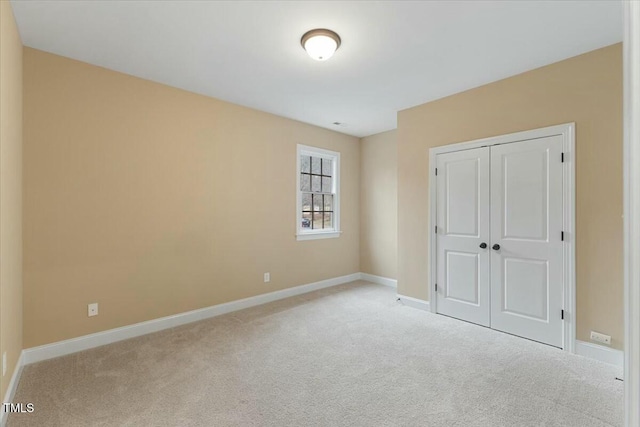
(567, 132)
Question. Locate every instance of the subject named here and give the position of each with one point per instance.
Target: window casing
(318, 193)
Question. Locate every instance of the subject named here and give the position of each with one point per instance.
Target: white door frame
(567, 131)
(631, 160)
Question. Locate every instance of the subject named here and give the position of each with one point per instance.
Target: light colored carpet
(346, 356)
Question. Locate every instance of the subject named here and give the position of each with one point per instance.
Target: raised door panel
(462, 277)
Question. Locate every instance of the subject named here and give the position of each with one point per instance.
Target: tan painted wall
(10, 191)
(379, 205)
(152, 201)
(586, 89)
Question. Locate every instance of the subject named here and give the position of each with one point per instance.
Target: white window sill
(318, 235)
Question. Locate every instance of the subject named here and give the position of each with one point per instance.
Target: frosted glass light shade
(320, 44)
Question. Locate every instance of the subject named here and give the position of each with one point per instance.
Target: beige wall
(10, 191)
(379, 205)
(586, 89)
(152, 201)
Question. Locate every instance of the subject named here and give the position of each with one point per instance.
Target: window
(318, 207)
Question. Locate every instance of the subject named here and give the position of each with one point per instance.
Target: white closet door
(526, 226)
(462, 228)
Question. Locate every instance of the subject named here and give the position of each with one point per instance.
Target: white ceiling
(394, 54)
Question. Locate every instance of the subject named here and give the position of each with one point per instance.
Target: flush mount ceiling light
(320, 43)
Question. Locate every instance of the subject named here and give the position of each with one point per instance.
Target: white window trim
(302, 234)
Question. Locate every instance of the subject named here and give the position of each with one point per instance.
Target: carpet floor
(345, 356)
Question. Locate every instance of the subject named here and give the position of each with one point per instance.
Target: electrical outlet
(267, 277)
(93, 309)
(601, 338)
(4, 363)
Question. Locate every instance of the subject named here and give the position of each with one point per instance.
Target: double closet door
(499, 241)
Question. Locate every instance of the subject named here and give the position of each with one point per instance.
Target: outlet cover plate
(92, 309)
(601, 338)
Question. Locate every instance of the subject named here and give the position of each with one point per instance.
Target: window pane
(317, 221)
(306, 201)
(326, 167)
(317, 202)
(328, 220)
(305, 164)
(305, 182)
(328, 202)
(315, 184)
(326, 185)
(306, 220)
(315, 165)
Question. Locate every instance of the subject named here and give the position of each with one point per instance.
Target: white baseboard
(61, 348)
(415, 302)
(11, 390)
(379, 280)
(601, 353)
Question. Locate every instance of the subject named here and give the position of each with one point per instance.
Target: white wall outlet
(93, 309)
(4, 363)
(601, 338)
(267, 277)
